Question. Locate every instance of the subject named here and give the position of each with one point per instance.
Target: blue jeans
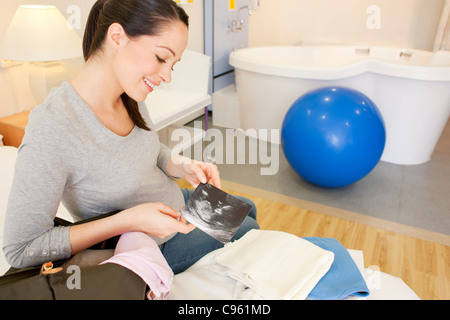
(183, 250)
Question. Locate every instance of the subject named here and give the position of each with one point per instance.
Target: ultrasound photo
(215, 212)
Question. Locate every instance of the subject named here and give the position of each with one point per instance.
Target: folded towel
(276, 265)
(343, 279)
(140, 253)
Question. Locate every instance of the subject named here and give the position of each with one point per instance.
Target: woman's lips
(150, 85)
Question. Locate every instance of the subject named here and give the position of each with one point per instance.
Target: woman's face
(144, 63)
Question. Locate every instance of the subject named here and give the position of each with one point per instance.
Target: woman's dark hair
(138, 18)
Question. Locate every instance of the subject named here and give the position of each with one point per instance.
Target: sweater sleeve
(164, 154)
(41, 173)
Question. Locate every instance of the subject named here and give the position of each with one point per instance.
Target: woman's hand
(194, 172)
(154, 219)
(157, 219)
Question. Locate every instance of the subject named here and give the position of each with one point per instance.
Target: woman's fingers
(167, 210)
(212, 172)
(180, 224)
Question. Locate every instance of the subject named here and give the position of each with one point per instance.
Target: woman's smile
(150, 86)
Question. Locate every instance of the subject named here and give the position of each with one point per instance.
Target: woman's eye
(160, 60)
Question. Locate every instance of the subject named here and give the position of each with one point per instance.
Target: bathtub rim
(353, 68)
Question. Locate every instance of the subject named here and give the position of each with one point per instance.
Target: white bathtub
(410, 87)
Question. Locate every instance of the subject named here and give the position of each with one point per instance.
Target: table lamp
(39, 34)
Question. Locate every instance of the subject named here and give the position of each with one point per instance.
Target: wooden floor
(423, 265)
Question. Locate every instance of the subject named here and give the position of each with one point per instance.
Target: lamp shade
(39, 33)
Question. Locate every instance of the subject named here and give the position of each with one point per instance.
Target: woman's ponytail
(91, 29)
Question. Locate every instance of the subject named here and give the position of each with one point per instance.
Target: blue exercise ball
(333, 136)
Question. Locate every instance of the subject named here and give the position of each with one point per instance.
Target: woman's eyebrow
(164, 47)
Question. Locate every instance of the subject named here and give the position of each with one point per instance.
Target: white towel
(276, 265)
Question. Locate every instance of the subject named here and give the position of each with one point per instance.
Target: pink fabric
(140, 253)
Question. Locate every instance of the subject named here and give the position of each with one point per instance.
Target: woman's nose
(166, 75)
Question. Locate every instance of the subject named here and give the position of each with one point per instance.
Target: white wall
(195, 12)
(266, 24)
(403, 23)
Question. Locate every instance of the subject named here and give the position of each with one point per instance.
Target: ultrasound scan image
(215, 212)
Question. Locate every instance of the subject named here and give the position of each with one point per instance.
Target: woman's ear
(116, 35)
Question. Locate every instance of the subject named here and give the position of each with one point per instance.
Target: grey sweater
(68, 155)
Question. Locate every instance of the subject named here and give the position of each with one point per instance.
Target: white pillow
(8, 156)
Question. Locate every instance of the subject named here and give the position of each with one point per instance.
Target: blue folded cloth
(343, 279)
